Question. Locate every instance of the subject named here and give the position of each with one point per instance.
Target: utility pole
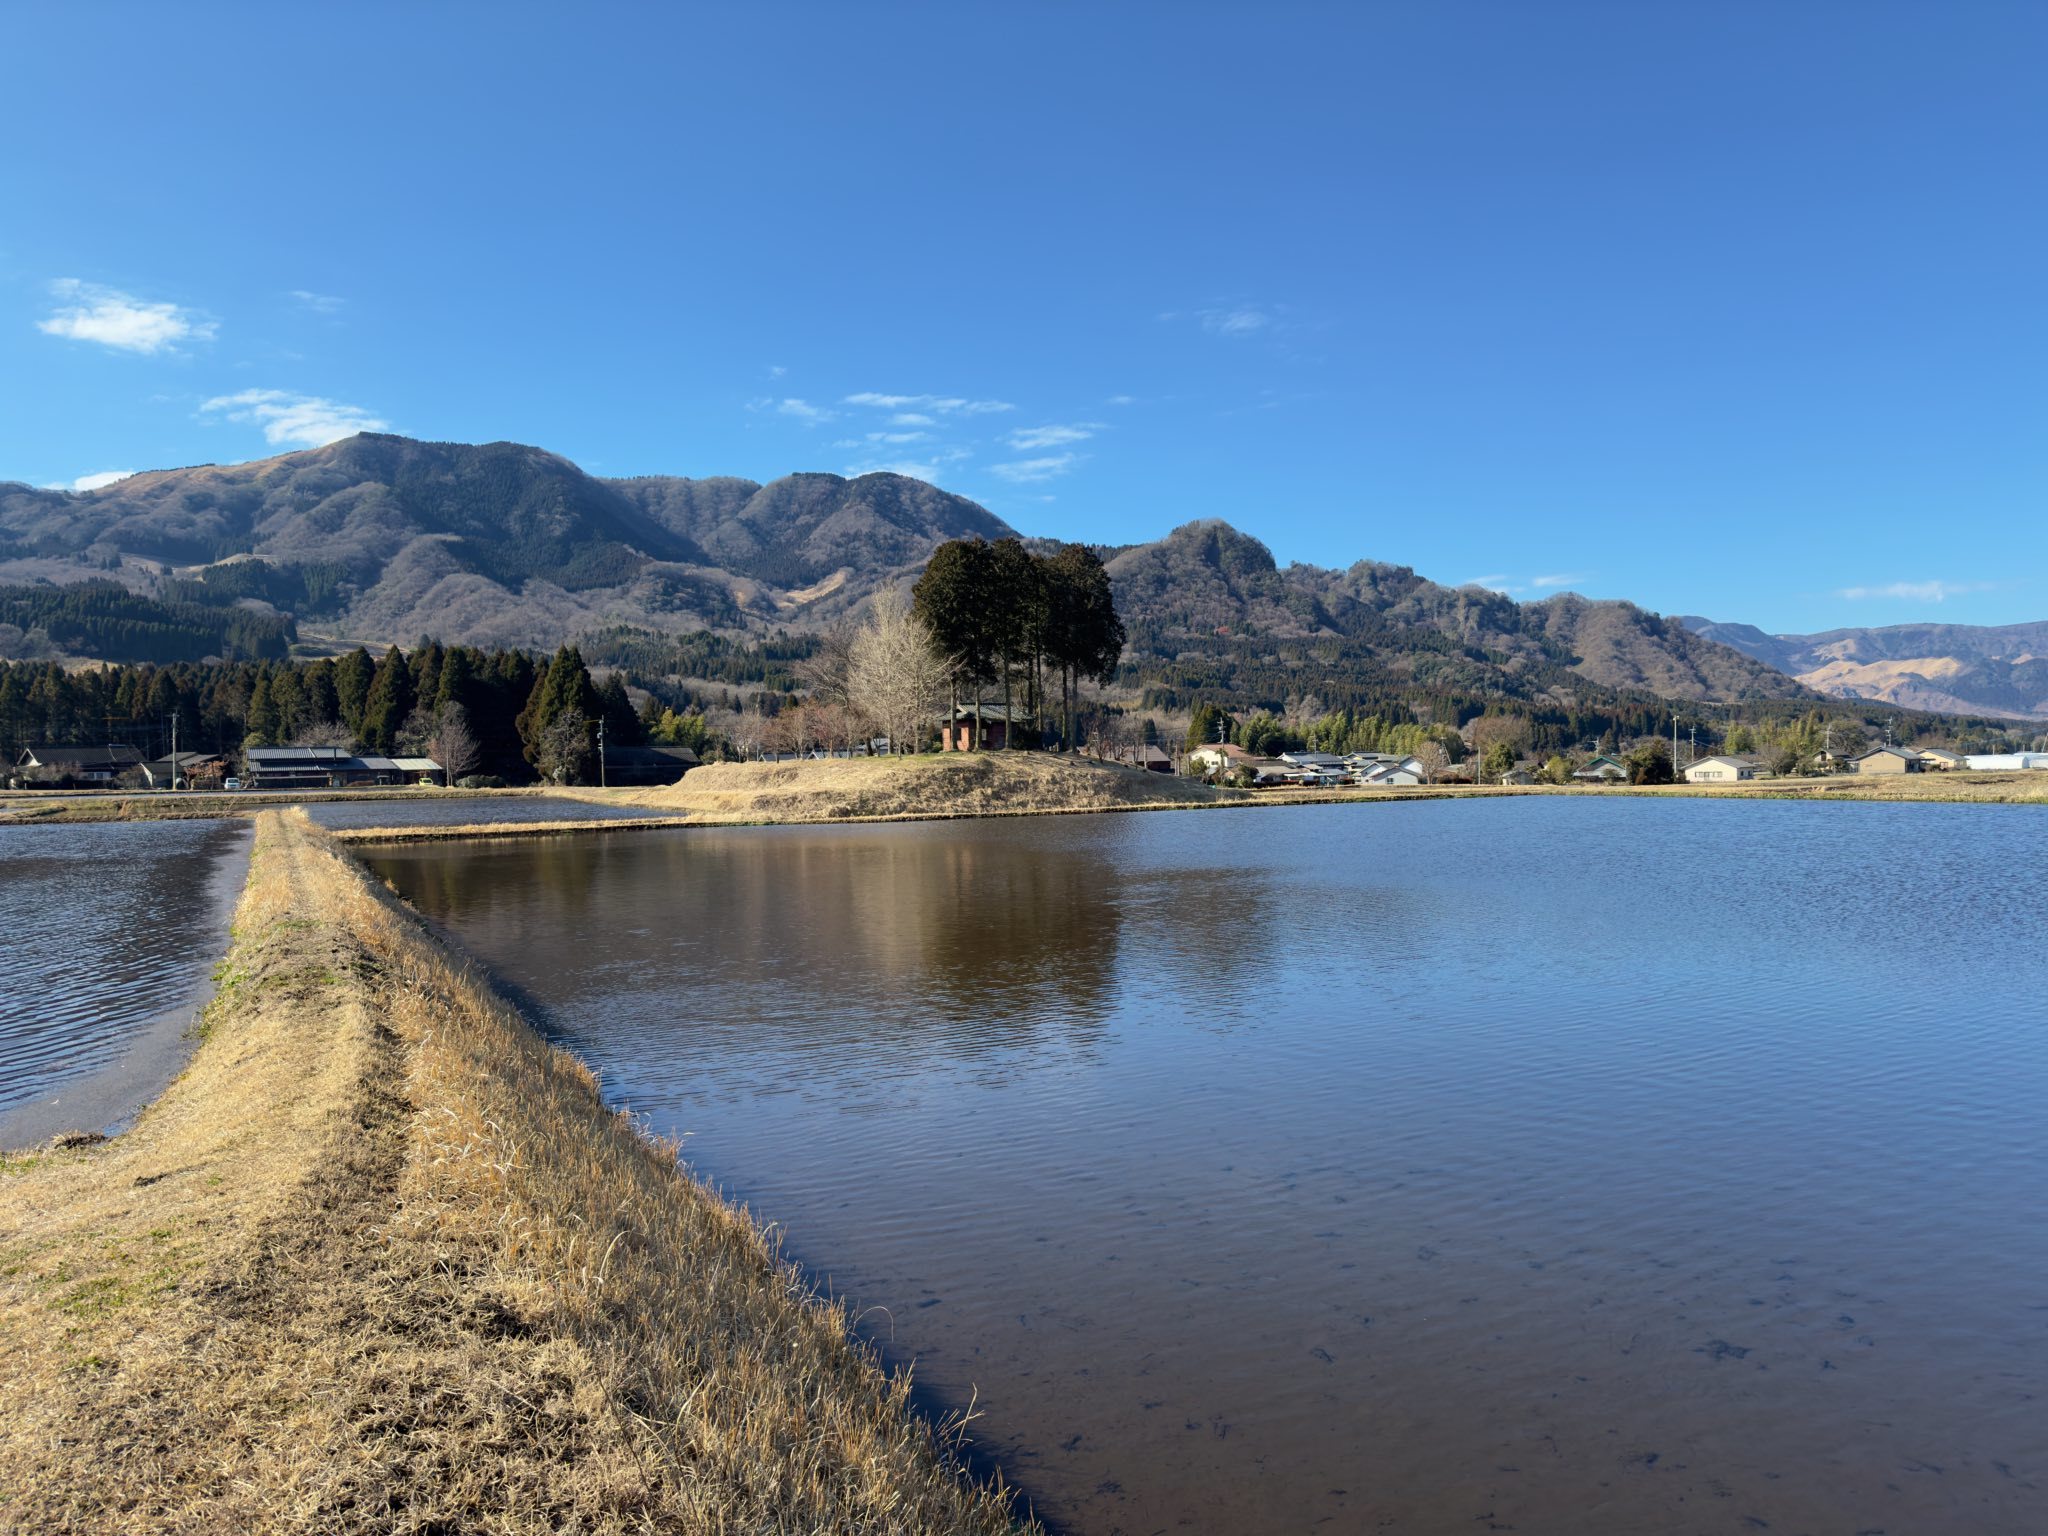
(1674, 745)
(600, 754)
(174, 751)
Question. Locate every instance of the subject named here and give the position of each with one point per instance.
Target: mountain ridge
(1986, 669)
(383, 538)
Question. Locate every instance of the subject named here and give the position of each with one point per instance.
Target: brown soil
(381, 1260)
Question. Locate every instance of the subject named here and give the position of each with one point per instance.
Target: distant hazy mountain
(381, 538)
(1956, 668)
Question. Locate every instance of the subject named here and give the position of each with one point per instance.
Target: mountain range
(381, 538)
(1947, 668)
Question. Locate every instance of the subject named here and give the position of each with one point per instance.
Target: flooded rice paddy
(108, 937)
(1542, 1165)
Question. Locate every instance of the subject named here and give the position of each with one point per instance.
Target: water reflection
(1548, 1165)
(105, 929)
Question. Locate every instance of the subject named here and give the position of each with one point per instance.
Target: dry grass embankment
(1941, 788)
(45, 807)
(381, 1260)
(939, 785)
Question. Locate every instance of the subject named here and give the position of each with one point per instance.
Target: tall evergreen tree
(390, 700)
(352, 676)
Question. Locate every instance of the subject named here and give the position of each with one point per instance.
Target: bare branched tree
(454, 745)
(895, 675)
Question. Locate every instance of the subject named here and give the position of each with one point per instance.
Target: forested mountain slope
(384, 539)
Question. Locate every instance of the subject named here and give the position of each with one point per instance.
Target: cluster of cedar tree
(500, 714)
(1009, 619)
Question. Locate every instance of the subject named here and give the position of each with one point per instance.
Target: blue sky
(1739, 309)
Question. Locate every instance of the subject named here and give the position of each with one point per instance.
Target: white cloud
(90, 312)
(1568, 579)
(803, 410)
(1027, 438)
(926, 472)
(319, 303)
(898, 437)
(944, 405)
(1491, 583)
(911, 419)
(1121, 400)
(306, 420)
(1031, 471)
(96, 482)
(1240, 320)
(776, 370)
(1917, 591)
(929, 468)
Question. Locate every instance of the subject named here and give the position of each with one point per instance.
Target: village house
(997, 724)
(1728, 769)
(187, 770)
(1387, 769)
(1153, 759)
(94, 766)
(1222, 756)
(1602, 769)
(1888, 760)
(331, 768)
(1518, 776)
(1941, 760)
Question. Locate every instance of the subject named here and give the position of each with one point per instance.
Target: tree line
(1003, 617)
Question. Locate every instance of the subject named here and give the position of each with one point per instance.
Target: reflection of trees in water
(965, 942)
(974, 944)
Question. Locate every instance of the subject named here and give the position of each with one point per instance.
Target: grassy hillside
(945, 784)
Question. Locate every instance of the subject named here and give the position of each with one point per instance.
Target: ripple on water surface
(104, 929)
(1601, 1167)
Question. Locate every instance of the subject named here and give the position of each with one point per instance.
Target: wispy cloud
(911, 419)
(91, 312)
(776, 370)
(943, 405)
(1032, 471)
(319, 303)
(1565, 579)
(92, 482)
(928, 468)
(1234, 320)
(285, 417)
(1917, 591)
(805, 412)
(1121, 400)
(1491, 583)
(1028, 438)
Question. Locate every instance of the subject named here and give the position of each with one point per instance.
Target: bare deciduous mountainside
(381, 538)
(1985, 669)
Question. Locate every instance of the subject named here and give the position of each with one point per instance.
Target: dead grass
(909, 788)
(381, 1260)
(2016, 788)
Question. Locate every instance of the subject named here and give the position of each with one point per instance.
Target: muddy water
(1538, 1165)
(108, 938)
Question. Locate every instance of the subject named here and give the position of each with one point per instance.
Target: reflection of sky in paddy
(102, 929)
(1576, 1165)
